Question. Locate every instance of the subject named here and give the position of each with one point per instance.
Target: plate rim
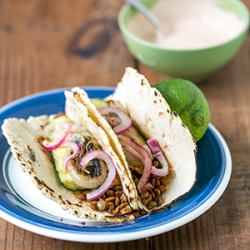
(131, 235)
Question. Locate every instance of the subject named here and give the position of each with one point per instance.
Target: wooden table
(47, 45)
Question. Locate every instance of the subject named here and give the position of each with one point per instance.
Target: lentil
(110, 193)
(157, 183)
(110, 199)
(157, 191)
(115, 211)
(126, 210)
(163, 181)
(82, 196)
(146, 200)
(159, 200)
(117, 201)
(118, 188)
(93, 206)
(153, 182)
(152, 204)
(162, 189)
(111, 205)
(145, 194)
(102, 205)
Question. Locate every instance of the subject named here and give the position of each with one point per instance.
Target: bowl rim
(126, 7)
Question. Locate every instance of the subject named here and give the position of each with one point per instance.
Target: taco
(71, 161)
(152, 143)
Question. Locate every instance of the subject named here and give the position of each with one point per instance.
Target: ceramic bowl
(191, 64)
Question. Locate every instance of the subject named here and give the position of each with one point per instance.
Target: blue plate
(22, 204)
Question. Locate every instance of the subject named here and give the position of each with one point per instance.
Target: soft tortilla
(80, 115)
(151, 114)
(23, 137)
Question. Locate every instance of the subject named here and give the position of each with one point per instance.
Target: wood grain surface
(53, 44)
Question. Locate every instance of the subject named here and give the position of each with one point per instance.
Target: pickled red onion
(125, 119)
(145, 158)
(111, 175)
(49, 146)
(68, 156)
(132, 151)
(164, 171)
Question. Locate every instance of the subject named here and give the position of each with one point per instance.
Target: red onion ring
(113, 121)
(125, 119)
(132, 151)
(111, 175)
(72, 146)
(164, 171)
(49, 146)
(146, 159)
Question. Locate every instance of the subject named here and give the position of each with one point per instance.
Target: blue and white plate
(22, 204)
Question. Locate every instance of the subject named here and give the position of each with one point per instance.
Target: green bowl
(194, 64)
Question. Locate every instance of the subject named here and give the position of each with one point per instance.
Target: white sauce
(188, 24)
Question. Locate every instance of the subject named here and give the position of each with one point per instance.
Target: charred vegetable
(79, 161)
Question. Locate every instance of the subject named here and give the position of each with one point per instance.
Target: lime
(189, 102)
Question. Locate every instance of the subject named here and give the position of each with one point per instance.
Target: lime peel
(185, 98)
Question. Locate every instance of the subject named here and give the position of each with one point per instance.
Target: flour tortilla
(80, 115)
(24, 138)
(152, 116)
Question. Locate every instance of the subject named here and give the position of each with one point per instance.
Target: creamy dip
(188, 24)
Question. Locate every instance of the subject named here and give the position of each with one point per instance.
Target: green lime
(189, 102)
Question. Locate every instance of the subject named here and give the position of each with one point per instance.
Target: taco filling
(151, 172)
(151, 141)
(83, 166)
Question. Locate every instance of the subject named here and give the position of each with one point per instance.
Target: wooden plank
(44, 45)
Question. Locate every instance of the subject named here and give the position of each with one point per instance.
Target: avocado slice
(99, 103)
(62, 174)
(58, 156)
